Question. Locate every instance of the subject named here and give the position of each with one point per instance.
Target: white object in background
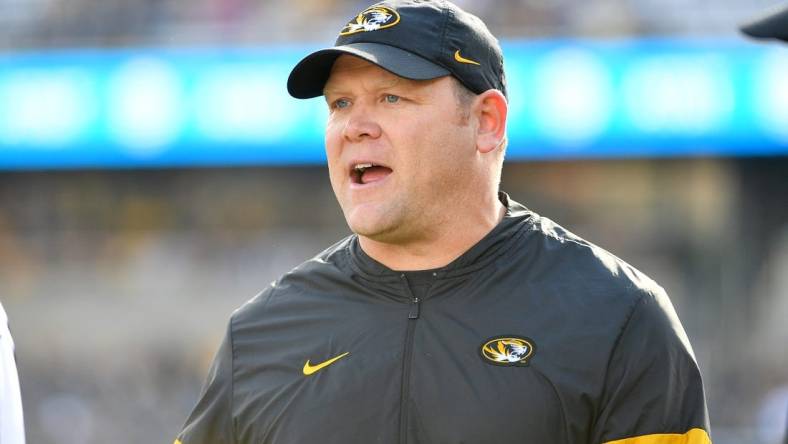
(12, 427)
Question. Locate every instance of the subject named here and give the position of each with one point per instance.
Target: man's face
(414, 136)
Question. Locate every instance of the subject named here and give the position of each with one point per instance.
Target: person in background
(12, 427)
(772, 25)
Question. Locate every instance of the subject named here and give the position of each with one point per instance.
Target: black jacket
(532, 336)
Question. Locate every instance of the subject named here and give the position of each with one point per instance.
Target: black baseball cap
(414, 39)
(774, 24)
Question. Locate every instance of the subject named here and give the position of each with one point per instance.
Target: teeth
(362, 166)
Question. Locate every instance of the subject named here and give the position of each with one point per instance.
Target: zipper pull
(414, 301)
(414, 309)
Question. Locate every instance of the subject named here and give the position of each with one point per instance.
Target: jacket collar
(491, 247)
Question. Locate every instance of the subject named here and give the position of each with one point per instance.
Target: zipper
(413, 315)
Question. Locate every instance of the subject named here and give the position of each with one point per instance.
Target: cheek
(333, 141)
(431, 139)
(446, 154)
(413, 133)
(333, 148)
(332, 138)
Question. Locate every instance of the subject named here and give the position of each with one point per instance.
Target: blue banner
(218, 107)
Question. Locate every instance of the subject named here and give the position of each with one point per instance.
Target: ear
(490, 109)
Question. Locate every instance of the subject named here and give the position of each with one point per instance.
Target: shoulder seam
(624, 326)
(230, 334)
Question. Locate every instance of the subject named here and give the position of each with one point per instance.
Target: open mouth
(364, 173)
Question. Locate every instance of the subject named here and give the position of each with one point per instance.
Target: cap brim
(773, 25)
(310, 74)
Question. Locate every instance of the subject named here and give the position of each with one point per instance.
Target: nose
(361, 124)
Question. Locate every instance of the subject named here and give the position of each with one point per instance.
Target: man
(453, 314)
(12, 428)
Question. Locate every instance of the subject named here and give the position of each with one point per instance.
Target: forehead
(350, 63)
(348, 68)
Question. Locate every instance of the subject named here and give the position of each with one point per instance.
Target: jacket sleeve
(211, 420)
(653, 389)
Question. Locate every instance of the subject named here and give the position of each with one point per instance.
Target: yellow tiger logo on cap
(372, 19)
(508, 350)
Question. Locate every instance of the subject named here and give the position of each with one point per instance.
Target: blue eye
(391, 98)
(341, 103)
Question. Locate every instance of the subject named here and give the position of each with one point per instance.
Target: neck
(455, 236)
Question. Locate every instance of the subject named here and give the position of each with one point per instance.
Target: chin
(365, 218)
(377, 229)
(370, 230)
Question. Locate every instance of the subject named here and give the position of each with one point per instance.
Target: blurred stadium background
(154, 175)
